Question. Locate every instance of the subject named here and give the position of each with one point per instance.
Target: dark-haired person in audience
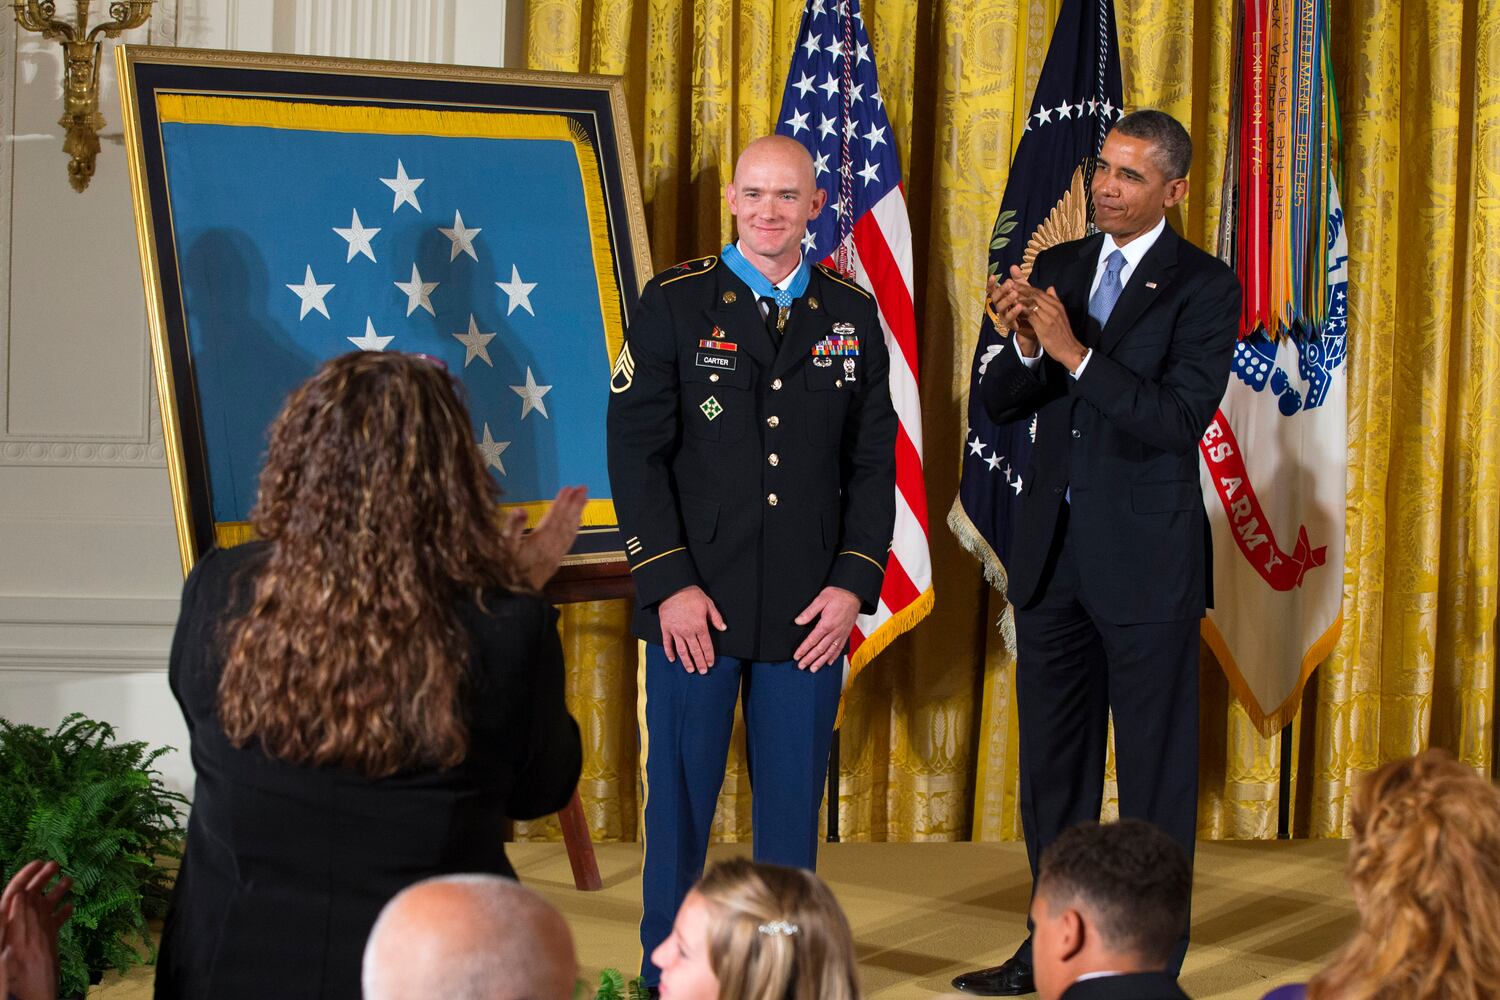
(30, 917)
(469, 937)
(370, 690)
(752, 931)
(1424, 865)
(1111, 903)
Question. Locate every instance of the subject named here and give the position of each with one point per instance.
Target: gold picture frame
(245, 170)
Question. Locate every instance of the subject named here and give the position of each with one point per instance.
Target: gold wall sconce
(81, 45)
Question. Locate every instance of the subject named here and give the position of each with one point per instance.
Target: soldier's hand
(685, 617)
(835, 608)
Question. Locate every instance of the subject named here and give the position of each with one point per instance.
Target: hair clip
(779, 928)
(431, 360)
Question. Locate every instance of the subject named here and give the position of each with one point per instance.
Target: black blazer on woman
(287, 867)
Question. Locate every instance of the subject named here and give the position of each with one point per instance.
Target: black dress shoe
(1011, 979)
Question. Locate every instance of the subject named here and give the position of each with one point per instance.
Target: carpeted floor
(1263, 913)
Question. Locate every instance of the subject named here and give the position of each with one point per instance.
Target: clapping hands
(539, 553)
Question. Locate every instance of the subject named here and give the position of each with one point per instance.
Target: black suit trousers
(1074, 668)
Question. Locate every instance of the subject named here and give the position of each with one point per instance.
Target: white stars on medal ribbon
(405, 188)
(519, 294)
(370, 341)
(358, 238)
(311, 293)
(531, 395)
(462, 238)
(418, 292)
(476, 344)
(492, 449)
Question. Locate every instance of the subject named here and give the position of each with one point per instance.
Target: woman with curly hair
(1424, 865)
(370, 689)
(751, 931)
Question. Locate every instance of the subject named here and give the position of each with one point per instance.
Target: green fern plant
(97, 807)
(614, 986)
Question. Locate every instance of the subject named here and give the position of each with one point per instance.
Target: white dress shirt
(1133, 252)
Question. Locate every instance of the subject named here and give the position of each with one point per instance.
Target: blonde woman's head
(1424, 865)
(758, 932)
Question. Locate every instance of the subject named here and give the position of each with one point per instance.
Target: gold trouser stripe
(645, 740)
(872, 562)
(680, 548)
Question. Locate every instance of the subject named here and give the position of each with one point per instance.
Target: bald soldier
(752, 460)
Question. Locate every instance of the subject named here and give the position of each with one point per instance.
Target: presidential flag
(1046, 202)
(832, 105)
(1274, 457)
(305, 230)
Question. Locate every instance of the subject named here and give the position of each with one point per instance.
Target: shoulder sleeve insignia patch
(624, 370)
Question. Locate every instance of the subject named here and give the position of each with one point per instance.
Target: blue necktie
(1108, 292)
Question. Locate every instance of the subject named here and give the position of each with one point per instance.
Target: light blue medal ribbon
(760, 284)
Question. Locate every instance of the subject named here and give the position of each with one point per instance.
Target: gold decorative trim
(872, 562)
(659, 555)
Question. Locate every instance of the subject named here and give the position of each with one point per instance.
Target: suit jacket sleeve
(867, 458)
(1170, 412)
(643, 433)
(553, 757)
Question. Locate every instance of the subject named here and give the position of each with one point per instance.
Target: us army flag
(1274, 457)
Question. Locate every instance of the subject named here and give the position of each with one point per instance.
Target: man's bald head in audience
(469, 937)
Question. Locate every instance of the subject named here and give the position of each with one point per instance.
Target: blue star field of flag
(473, 251)
(1078, 97)
(813, 111)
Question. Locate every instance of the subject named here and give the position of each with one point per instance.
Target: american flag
(832, 105)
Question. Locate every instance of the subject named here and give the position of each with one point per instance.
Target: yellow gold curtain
(929, 745)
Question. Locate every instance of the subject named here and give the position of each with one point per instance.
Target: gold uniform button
(771, 499)
(838, 383)
(714, 377)
(776, 383)
(773, 458)
(772, 421)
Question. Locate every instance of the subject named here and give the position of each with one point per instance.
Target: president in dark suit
(1122, 349)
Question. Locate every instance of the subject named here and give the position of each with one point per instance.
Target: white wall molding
(45, 634)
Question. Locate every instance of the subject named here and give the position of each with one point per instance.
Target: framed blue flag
(292, 209)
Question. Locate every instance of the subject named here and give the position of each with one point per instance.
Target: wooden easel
(571, 585)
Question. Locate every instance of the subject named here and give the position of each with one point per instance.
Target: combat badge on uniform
(624, 371)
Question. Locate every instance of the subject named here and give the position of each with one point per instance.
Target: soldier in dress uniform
(752, 461)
